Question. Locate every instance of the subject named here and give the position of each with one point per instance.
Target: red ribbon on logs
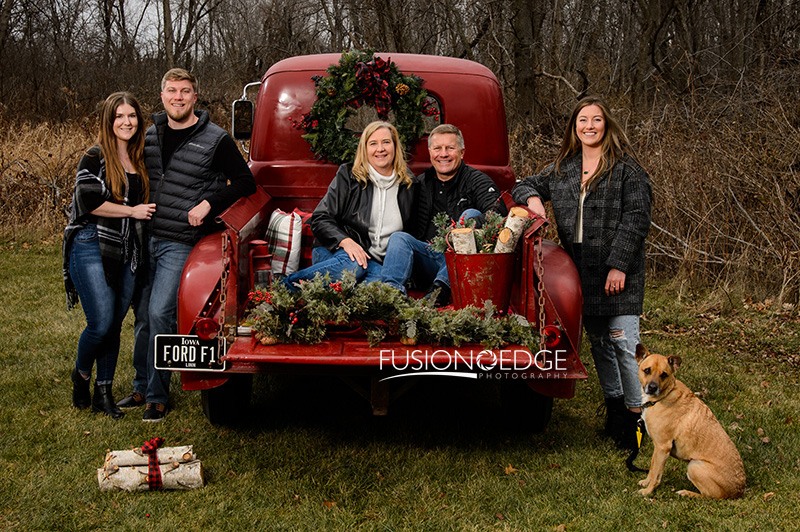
(150, 448)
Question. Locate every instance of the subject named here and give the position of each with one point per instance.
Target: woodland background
(708, 91)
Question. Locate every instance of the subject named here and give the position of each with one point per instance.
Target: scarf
(385, 218)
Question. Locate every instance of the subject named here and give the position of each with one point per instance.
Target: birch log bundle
(127, 470)
(509, 236)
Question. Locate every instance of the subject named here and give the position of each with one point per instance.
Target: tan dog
(682, 425)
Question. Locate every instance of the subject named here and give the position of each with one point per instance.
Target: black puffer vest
(186, 181)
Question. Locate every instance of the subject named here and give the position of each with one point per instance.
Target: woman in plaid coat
(601, 202)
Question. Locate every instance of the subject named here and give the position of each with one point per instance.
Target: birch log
(174, 476)
(464, 240)
(135, 457)
(506, 241)
(509, 236)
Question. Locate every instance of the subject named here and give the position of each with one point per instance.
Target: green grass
(311, 457)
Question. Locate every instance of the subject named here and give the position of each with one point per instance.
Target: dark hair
(107, 140)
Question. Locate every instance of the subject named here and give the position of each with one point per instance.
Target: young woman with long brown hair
(103, 245)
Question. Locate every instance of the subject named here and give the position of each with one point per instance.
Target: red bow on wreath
(150, 448)
(374, 87)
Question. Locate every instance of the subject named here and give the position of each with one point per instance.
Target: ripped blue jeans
(613, 341)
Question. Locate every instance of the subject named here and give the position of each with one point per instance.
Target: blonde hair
(107, 140)
(179, 74)
(361, 163)
(614, 146)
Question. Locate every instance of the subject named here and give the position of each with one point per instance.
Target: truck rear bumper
(549, 373)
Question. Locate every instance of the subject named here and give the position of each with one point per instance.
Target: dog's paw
(645, 492)
(644, 482)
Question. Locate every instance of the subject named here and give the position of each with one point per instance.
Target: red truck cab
(218, 273)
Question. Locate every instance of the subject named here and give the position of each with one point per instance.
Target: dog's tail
(640, 430)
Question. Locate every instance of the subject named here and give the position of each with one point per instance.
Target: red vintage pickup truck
(218, 276)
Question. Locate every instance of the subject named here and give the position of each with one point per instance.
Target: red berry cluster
(258, 296)
(429, 109)
(292, 317)
(337, 286)
(306, 123)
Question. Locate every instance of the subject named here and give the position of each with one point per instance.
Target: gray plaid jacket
(616, 220)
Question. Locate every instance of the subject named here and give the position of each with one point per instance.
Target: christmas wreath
(360, 79)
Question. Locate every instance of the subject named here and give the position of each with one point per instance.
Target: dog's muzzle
(651, 388)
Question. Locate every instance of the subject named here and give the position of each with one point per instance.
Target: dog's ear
(641, 353)
(674, 362)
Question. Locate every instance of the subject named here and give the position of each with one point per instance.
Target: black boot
(103, 401)
(615, 418)
(81, 397)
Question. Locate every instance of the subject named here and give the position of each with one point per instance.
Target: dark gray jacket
(616, 220)
(187, 180)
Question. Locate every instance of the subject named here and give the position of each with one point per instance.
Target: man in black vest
(190, 161)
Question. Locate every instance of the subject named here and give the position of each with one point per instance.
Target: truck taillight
(552, 335)
(206, 328)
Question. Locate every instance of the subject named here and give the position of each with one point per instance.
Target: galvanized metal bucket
(474, 278)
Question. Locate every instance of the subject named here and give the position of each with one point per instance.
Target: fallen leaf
(510, 470)
(765, 384)
(738, 416)
(769, 496)
(329, 504)
(87, 432)
(760, 432)
(500, 516)
(42, 413)
(561, 528)
(664, 524)
(765, 439)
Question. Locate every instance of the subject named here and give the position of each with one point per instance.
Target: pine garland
(381, 311)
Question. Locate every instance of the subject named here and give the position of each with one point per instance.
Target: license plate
(189, 353)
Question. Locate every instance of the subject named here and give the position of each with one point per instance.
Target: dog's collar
(648, 404)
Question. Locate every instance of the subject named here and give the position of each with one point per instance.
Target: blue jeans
(335, 264)
(613, 341)
(407, 257)
(141, 336)
(105, 306)
(164, 276)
